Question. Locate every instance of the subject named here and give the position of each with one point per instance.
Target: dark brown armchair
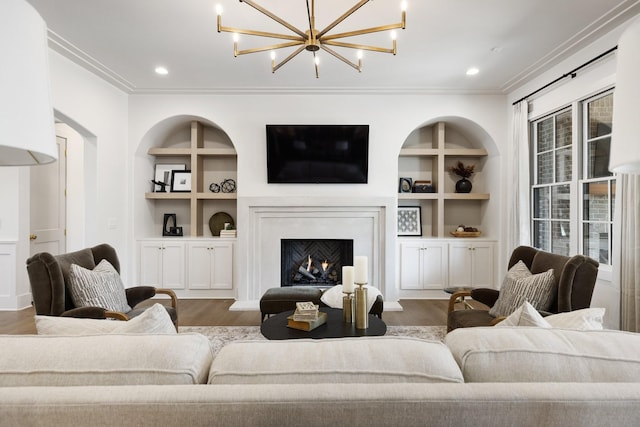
(575, 279)
(49, 278)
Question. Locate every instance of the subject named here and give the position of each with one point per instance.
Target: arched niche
(176, 132)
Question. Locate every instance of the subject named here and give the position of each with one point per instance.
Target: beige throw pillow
(525, 315)
(100, 287)
(520, 285)
(154, 320)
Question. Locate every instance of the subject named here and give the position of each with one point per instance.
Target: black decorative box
(423, 187)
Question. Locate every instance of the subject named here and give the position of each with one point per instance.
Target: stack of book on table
(228, 233)
(306, 317)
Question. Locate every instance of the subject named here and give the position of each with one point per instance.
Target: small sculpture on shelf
(463, 185)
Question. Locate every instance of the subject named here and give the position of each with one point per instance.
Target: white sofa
(478, 376)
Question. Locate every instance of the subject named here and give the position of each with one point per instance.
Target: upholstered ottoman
(277, 300)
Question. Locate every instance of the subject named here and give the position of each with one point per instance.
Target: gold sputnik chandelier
(311, 39)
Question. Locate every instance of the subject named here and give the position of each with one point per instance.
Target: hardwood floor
(209, 312)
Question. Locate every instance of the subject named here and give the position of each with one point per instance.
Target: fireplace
(314, 262)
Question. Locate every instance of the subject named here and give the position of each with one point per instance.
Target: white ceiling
(510, 41)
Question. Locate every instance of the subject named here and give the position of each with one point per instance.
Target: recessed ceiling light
(472, 71)
(162, 71)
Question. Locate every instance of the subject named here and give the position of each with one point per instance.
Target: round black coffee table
(275, 327)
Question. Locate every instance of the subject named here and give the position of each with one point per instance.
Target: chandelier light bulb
(218, 9)
(403, 6)
(273, 55)
(394, 35)
(236, 37)
(359, 54)
(317, 60)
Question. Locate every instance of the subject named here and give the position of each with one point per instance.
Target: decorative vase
(463, 186)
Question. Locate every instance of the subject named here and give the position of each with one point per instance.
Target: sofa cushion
(526, 354)
(347, 360)
(519, 285)
(46, 360)
(100, 287)
(154, 320)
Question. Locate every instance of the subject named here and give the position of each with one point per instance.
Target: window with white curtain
(573, 192)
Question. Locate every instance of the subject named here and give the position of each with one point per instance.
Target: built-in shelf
(427, 157)
(197, 155)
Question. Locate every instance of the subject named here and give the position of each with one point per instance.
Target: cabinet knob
(33, 236)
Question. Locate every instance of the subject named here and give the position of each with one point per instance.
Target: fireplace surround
(268, 220)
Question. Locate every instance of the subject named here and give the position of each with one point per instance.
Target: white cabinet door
(459, 264)
(150, 268)
(434, 266)
(222, 265)
(410, 259)
(423, 265)
(482, 265)
(471, 264)
(173, 265)
(199, 265)
(211, 265)
(162, 264)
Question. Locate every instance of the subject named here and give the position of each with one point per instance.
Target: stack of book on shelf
(228, 233)
(306, 317)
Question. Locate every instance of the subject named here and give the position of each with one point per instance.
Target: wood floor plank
(215, 312)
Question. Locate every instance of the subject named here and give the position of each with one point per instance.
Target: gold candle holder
(362, 317)
(347, 307)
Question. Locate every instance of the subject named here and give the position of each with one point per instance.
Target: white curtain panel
(627, 269)
(519, 212)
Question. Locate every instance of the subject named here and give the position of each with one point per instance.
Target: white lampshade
(625, 138)
(27, 132)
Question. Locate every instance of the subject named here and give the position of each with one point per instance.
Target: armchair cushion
(100, 287)
(520, 285)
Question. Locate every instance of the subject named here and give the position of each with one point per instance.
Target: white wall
(243, 117)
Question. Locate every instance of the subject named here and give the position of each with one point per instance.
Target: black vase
(463, 186)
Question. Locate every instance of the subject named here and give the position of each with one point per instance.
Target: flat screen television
(317, 154)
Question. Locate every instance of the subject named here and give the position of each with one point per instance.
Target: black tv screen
(317, 154)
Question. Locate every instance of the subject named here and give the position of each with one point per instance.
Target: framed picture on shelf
(409, 221)
(163, 174)
(181, 181)
(405, 185)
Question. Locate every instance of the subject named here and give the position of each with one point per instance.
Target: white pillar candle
(360, 269)
(347, 279)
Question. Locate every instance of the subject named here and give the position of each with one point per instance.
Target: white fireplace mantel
(267, 220)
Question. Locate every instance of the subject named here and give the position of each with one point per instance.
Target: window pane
(563, 129)
(545, 135)
(596, 241)
(541, 202)
(560, 202)
(596, 201)
(563, 165)
(560, 243)
(600, 112)
(541, 235)
(545, 168)
(598, 160)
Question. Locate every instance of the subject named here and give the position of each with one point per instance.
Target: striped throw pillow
(519, 285)
(100, 287)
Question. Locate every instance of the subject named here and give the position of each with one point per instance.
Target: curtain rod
(571, 73)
